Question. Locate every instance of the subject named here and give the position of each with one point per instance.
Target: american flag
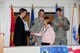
(60, 49)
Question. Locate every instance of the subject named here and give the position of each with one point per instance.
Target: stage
(42, 49)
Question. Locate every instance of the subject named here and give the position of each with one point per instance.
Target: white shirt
(25, 24)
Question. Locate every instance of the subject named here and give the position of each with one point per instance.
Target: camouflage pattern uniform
(36, 27)
(61, 35)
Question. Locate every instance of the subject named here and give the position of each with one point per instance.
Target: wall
(47, 5)
(1, 19)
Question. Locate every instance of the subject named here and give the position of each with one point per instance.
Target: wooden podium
(1, 42)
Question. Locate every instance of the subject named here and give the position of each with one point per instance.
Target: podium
(1, 42)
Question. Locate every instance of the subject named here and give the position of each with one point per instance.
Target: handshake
(32, 33)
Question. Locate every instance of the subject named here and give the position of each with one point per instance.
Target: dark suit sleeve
(19, 31)
(27, 33)
(21, 26)
(22, 29)
(79, 30)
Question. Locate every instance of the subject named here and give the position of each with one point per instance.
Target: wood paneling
(50, 15)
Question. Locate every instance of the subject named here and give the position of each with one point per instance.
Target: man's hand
(61, 24)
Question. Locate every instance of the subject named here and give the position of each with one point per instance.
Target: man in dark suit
(20, 33)
(79, 33)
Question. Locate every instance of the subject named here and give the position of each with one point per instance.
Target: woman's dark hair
(22, 10)
(45, 18)
(58, 9)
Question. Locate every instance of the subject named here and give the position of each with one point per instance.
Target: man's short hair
(41, 10)
(22, 10)
(58, 9)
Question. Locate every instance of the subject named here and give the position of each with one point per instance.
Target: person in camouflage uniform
(60, 25)
(37, 25)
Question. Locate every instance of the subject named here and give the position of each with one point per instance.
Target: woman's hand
(32, 33)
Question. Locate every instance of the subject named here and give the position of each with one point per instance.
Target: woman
(47, 33)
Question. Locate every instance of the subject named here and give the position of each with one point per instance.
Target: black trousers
(42, 43)
(23, 40)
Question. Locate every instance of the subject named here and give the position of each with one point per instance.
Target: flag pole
(56, 6)
(12, 26)
(72, 23)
